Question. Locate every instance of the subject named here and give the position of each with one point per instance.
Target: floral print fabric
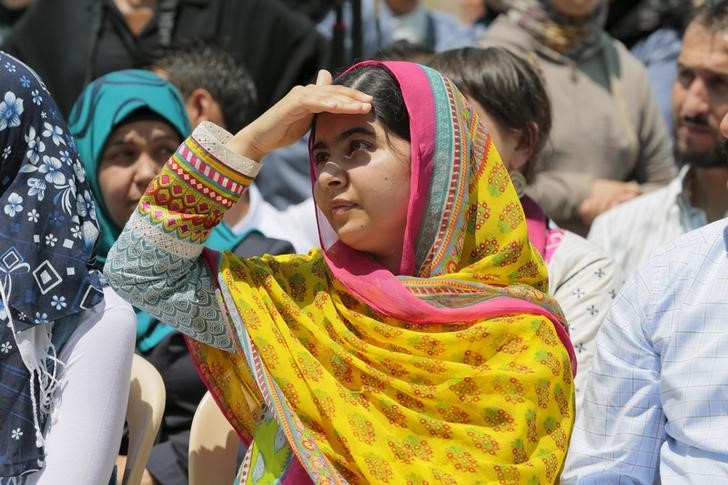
(473, 384)
(48, 232)
(386, 401)
(370, 397)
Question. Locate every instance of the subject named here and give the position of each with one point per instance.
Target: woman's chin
(353, 242)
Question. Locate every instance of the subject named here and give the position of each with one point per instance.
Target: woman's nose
(145, 169)
(332, 175)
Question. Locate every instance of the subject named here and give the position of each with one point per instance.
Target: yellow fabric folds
(393, 401)
(468, 402)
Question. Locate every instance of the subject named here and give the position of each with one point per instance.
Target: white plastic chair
(144, 412)
(213, 446)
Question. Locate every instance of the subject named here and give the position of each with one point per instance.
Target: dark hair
(505, 85)
(712, 14)
(404, 50)
(388, 104)
(206, 64)
(630, 21)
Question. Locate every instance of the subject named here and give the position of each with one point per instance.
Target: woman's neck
(392, 261)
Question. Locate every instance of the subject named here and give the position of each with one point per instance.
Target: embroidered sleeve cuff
(201, 181)
(213, 138)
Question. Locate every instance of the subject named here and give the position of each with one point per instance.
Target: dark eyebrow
(701, 71)
(117, 143)
(357, 130)
(166, 136)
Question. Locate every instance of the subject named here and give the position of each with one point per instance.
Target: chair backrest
(143, 416)
(213, 446)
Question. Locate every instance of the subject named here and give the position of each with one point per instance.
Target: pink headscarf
(447, 272)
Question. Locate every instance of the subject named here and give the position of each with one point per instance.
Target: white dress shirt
(630, 231)
(295, 224)
(656, 406)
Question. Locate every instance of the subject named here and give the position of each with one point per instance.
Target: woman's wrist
(243, 143)
(236, 155)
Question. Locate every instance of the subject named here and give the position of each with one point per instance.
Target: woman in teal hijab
(126, 125)
(103, 108)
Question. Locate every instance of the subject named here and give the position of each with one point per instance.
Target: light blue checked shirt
(656, 406)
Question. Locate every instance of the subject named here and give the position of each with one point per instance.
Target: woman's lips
(339, 208)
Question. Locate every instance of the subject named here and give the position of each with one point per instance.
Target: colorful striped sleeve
(155, 264)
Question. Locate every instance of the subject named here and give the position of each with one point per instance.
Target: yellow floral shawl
(459, 373)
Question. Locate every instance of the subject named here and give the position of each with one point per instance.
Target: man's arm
(620, 429)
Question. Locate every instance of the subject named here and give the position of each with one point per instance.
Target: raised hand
(291, 117)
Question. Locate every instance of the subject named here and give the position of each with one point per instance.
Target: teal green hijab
(103, 106)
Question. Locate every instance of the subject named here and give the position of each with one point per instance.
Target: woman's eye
(123, 155)
(357, 145)
(164, 153)
(320, 157)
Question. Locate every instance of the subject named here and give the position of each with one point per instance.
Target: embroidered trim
(162, 240)
(213, 138)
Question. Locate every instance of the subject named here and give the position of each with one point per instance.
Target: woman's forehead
(329, 126)
(145, 128)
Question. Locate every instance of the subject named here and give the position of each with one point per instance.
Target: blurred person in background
(10, 13)
(479, 14)
(698, 195)
(387, 21)
(72, 42)
(608, 142)
(652, 31)
(515, 109)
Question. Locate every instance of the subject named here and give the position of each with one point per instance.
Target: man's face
(700, 97)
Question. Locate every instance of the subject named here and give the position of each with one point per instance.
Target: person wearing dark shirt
(72, 42)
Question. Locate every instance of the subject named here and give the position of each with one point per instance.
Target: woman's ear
(527, 141)
(202, 106)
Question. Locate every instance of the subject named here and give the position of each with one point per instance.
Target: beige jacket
(597, 132)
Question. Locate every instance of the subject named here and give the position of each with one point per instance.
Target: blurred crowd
(605, 113)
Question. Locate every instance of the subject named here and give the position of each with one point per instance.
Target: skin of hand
(604, 195)
(291, 117)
